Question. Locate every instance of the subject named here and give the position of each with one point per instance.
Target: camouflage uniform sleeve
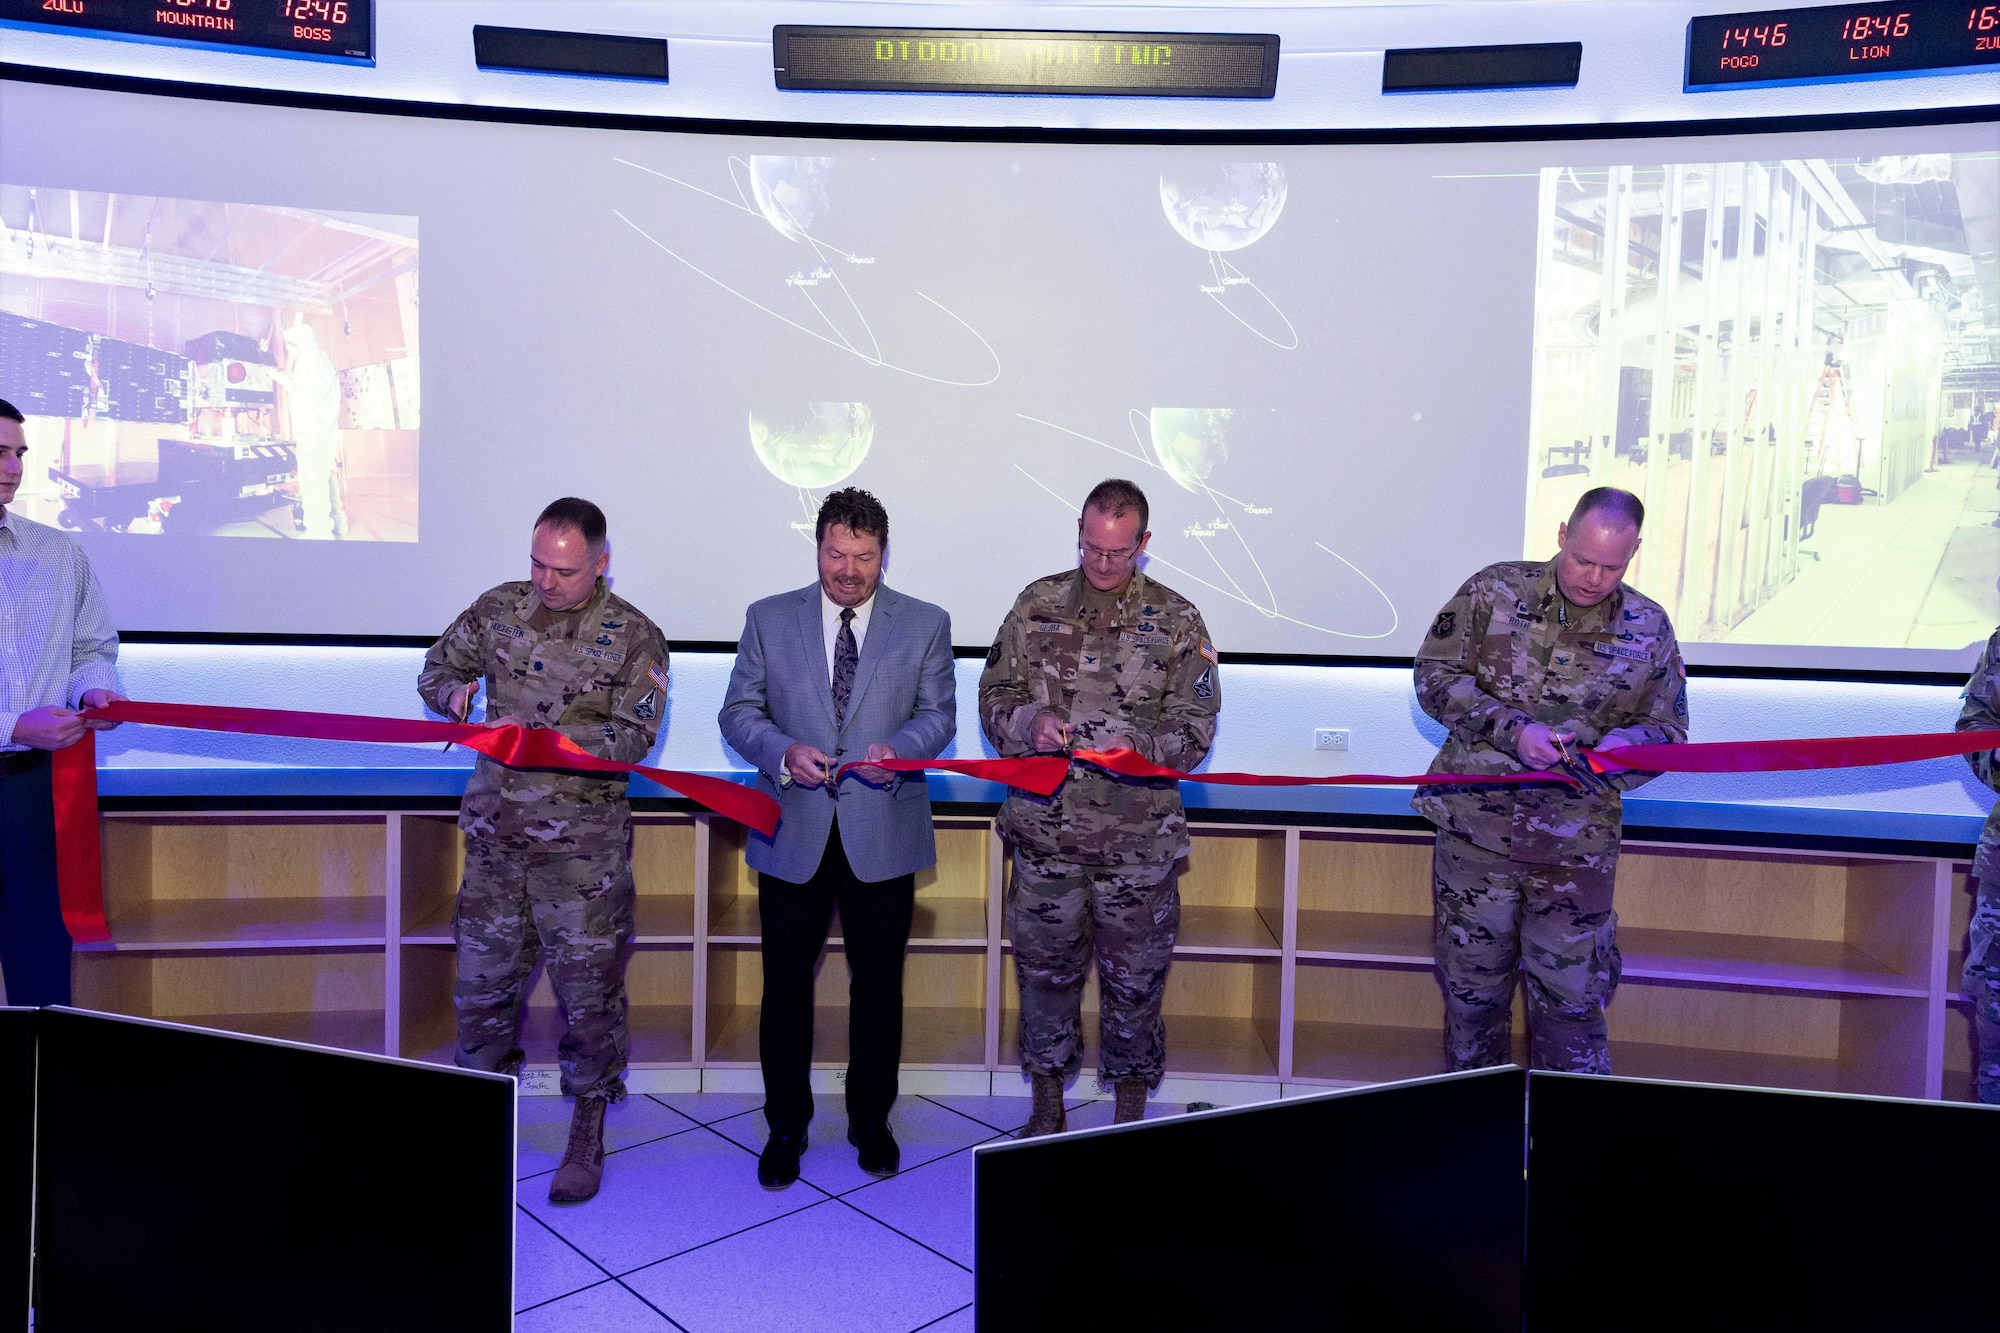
(1981, 710)
(1447, 674)
(1006, 701)
(1660, 715)
(1186, 729)
(635, 722)
(457, 657)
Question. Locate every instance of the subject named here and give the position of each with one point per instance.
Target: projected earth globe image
(819, 446)
(1191, 442)
(790, 191)
(1224, 208)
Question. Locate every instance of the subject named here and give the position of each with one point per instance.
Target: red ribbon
(1043, 773)
(80, 876)
(516, 747)
(79, 859)
(1791, 756)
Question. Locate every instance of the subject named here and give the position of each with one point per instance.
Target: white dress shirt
(56, 638)
(829, 620)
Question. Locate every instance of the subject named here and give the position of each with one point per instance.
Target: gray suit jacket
(781, 693)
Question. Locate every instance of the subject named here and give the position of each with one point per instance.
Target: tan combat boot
(1048, 1116)
(583, 1161)
(1131, 1100)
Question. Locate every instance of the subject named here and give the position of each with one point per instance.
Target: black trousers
(34, 945)
(875, 927)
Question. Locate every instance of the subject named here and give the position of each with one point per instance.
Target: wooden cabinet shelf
(1304, 955)
(248, 923)
(1759, 960)
(346, 1029)
(1365, 937)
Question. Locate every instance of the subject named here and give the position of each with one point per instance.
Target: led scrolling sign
(1841, 42)
(966, 60)
(338, 29)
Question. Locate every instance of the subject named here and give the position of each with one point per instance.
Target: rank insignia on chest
(657, 674)
(1562, 659)
(1630, 654)
(1086, 661)
(647, 708)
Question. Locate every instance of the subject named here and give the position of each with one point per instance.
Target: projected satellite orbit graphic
(1222, 212)
(791, 195)
(811, 451)
(1217, 545)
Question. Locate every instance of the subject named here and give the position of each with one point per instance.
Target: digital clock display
(964, 60)
(1841, 41)
(336, 29)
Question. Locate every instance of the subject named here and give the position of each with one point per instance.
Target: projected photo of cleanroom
(1792, 361)
(211, 369)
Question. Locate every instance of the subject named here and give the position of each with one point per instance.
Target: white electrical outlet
(1330, 738)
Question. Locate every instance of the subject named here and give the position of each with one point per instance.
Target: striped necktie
(845, 656)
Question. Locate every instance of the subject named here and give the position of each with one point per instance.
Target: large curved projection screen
(1346, 375)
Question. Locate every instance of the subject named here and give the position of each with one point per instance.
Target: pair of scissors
(1578, 768)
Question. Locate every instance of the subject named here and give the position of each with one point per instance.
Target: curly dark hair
(857, 511)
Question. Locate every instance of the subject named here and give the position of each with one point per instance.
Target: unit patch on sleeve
(647, 708)
(1446, 622)
(1204, 684)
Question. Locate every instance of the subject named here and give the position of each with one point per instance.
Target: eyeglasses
(1100, 556)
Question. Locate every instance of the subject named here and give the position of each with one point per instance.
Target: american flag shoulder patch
(657, 674)
(1207, 650)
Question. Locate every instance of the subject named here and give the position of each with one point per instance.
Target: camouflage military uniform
(1981, 978)
(547, 867)
(1523, 875)
(1098, 862)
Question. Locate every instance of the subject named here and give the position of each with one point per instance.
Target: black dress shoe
(879, 1155)
(778, 1164)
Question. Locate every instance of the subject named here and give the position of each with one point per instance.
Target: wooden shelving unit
(1304, 957)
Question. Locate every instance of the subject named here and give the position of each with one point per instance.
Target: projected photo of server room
(1793, 363)
(217, 369)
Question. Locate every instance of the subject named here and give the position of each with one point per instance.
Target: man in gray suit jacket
(844, 670)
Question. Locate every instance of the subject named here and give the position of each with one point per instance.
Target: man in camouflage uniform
(547, 864)
(1981, 978)
(1100, 657)
(1527, 661)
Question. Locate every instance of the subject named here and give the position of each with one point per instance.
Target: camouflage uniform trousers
(1060, 914)
(1496, 916)
(574, 909)
(1981, 980)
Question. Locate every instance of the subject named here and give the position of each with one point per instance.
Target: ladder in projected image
(1820, 416)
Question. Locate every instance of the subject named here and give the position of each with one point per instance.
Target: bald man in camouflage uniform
(547, 864)
(1100, 657)
(1981, 978)
(1527, 662)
